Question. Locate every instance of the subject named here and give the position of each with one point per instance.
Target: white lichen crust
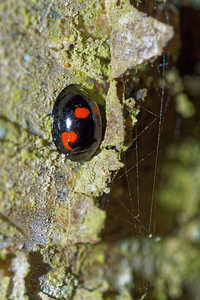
(135, 38)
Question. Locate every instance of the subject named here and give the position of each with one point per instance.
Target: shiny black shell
(75, 134)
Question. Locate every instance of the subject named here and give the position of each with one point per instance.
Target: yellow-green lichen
(4, 286)
(97, 173)
(91, 57)
(91, 11)
(26, 17)
(58, 283)
(83, 294)
(9, 131)
(84, 54)
(9, 230)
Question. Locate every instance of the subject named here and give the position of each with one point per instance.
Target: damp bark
(48, 207)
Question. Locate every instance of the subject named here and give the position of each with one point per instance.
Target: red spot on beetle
(81, 112)
(68, 137)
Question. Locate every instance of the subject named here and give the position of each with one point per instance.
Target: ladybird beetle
(77, 125)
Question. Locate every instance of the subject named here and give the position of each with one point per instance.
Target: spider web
(156, 125)
(139, 211)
